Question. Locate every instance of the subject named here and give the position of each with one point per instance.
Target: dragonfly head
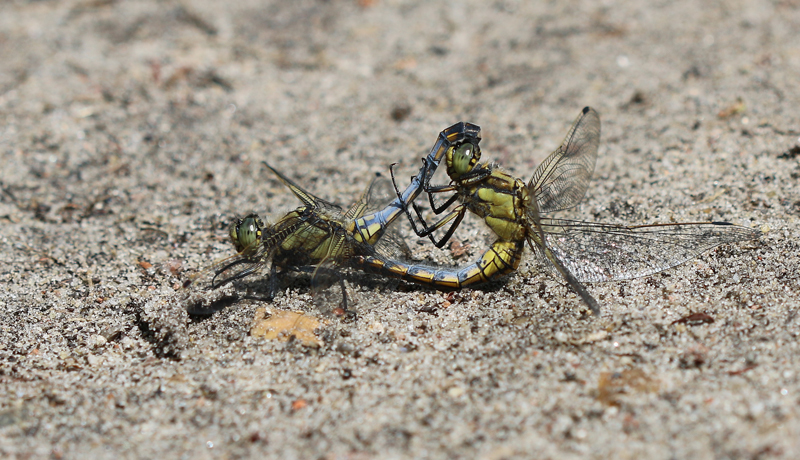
(462, 158)
(246, 233)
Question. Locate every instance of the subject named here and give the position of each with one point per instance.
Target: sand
(132, 133)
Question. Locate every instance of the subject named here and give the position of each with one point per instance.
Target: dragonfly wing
(560, 182)
(549, 260)
(378, 196)
(596, 252)
(307, 198)
(327, 287)
(392, 245)
(359, 207)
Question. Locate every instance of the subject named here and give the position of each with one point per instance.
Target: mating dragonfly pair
(321, 237)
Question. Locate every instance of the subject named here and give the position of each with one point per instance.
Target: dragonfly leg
(216, 284)
(425, 231)
(470, 178)
(272, 287)
(272, 282)
(440, 189)
(457, 214)
(474, 176)
(347, 312)
(431, 190)
(323, 277)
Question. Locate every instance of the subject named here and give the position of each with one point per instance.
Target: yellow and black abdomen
(502, 258)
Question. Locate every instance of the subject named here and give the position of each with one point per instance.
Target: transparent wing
(378, 196)
(365, 201)
(600, 252)
(328, 289)
(560, 182)
(392, 246)
(307, 198)
(550, 260)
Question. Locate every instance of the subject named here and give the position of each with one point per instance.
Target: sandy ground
(131, 134)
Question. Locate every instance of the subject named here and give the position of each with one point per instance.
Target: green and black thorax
(499, 199)
(304, 236)
(494, 195)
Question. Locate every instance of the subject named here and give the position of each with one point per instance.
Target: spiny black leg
(450, 230)
(238, 276)
(430, 190)
(474, 176)
(272, 282)
(405, 206)
(457, 214)
(426, 230)
(440, 209)
(347, 312)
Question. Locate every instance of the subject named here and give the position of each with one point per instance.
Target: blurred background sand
(132, 132)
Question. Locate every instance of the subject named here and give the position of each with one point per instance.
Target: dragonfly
(321, 237)
(578, 251)
(317, 237)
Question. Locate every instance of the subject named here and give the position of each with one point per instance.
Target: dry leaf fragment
(457, 249)
(593, 337)
(732, 110)
(298, 404)
(284, 324)
(695, 319)
(612, 385)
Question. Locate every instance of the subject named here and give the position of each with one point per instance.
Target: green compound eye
(246, 233)
(464, 159)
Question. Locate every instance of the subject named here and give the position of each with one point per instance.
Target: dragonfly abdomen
(502, 258)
